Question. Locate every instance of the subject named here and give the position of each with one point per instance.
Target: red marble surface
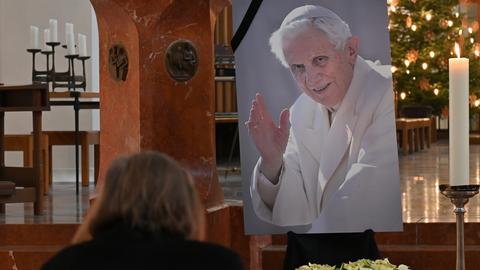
(441, 233)
(249, 246)
(29, 246)
(36, 234)
(420, 245)
(26, 259)
(272, 257)
(120, 106)
(6, 261)
(426, 258)
(218, 225)
(150, 110)
(407, 237)
(225, 227)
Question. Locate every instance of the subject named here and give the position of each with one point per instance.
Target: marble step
(420, 245)
(29, 246)
(36, 234)
(26, 257)
(420, 233)
(422, 257)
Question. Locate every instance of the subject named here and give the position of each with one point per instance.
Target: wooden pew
(415, 134)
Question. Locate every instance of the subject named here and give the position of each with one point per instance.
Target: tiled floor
(420, 174)
(61, 206)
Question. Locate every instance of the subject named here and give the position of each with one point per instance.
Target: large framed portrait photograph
(317, 123)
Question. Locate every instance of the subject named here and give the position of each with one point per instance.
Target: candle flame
(457, 50)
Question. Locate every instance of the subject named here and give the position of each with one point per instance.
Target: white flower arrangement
(362, 264)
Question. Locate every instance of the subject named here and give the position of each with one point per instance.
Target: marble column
(142, 106)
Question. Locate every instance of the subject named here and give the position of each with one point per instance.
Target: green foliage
(418, 28)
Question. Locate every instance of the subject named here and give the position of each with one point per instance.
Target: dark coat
(121, 247)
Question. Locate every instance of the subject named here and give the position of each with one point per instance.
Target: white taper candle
(82, 45)
(53, 30)
(34, 44)
(458, 120)
(71, 44)
(46, 38)
(68, 29)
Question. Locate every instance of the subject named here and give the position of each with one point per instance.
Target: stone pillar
(142, 106)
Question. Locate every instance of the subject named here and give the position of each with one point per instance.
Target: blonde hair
(150, 191)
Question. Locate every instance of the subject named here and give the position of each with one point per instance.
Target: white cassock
(343, 177)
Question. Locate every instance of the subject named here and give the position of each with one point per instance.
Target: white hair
(336, 30)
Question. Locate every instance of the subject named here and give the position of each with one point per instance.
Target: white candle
(53, 30)
(68, 29)
(46, 38)
(71, 44)
(458, 120)
(82, 45)
(34, 37)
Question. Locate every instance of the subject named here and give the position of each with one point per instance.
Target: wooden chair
(87, 138)
(23, 184)
(24, 144)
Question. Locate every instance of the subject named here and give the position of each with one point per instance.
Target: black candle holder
(84, 82)
(66, 79)
(71, 65)
(34, 71)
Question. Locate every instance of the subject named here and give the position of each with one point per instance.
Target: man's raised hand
(269, 138)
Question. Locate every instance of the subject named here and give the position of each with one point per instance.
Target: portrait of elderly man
(331, 159)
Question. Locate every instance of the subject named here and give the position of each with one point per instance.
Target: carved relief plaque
(181, 60)
(118, 62)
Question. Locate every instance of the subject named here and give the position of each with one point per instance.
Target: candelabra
(459, 196)
(66, 79)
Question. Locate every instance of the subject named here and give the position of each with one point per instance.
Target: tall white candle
(458, 120)
(34, 44)
(82, 45)
(68, 30)
(71, 44)
(53, 30)
(46, 38)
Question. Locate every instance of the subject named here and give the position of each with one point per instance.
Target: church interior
(120, 87)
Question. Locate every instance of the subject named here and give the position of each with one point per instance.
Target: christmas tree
(423, 35)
